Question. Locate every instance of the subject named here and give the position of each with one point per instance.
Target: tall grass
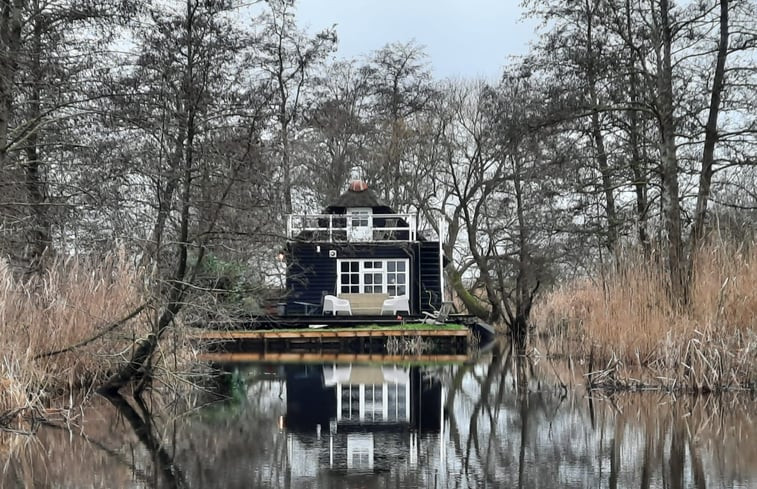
(73, 301)
(626, 323)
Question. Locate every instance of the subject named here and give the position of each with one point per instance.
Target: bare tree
(288, 55)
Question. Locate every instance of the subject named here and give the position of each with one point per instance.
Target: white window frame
(363, 271)
(360, 216)
(360, 223)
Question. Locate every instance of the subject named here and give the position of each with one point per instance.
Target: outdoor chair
(396, 304)
(334, 304)
(390, 234)
(440, 316)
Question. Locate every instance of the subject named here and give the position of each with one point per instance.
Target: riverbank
(626, 327)
(63, 331)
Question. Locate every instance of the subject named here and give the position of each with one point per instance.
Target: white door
(359, 224)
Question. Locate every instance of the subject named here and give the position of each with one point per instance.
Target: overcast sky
(463, 38)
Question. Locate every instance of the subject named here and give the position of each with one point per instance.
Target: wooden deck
(342, 334)
(318, 358)
(336, 340)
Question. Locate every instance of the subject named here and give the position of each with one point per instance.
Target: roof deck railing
(352, 227)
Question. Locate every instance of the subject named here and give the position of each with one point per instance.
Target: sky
(463, 38)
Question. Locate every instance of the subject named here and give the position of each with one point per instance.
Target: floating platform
(345, 334)
(390, 339)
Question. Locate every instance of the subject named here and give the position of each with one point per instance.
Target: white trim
(338, 402)
(361, 412)
(333, 227)
(407, 401)
(441, 256)
(362, 271)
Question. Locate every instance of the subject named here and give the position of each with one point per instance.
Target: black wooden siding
(311, 273)
(430, 280)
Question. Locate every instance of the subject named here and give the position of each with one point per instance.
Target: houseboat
(360, 258)
(357, 265)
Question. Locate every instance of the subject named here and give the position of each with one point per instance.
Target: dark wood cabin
(359, 247)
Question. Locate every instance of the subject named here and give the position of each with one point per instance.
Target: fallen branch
(102, 333)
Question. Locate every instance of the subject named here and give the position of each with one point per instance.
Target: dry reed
(629, 326)
(74, 300)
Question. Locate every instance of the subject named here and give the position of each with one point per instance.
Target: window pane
(401, 290)
(345, 289)
(369, 279)
(391, 290)
(345, 266)
(391, 266)
(355, 266)
(400, 266)
(355, 289)
(400, 278)
(378, 278)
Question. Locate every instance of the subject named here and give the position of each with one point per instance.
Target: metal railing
(352, 227)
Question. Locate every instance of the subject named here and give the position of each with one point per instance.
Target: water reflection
(358, 419)
(503, 422)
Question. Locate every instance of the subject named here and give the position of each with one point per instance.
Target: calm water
(501, 422)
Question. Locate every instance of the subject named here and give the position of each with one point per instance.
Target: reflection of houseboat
(359, 418)
(361, 258)
(370, 394)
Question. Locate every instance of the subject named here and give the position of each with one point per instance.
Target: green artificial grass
(410, 327)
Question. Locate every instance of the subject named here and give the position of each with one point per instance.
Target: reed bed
(75, 300)
(633, 334)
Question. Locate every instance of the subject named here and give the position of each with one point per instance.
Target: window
(350, 277)
(396, 277)
(373, 277)
(360, 217)
(350, 397)
(397, 402)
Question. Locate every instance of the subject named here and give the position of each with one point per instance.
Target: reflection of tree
(507, 425)
(510, 425)
(501, 394)
(66, 457)
(143, 427)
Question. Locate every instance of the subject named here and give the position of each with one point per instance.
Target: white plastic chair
(334, 304)
(394, 304)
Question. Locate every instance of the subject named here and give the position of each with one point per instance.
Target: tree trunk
(607, 185)
(671, 208)
(711, 133)
(38, 235)
(635, 136)
(519, 324)
(138, 365)
(10, 45)
(598, 137)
